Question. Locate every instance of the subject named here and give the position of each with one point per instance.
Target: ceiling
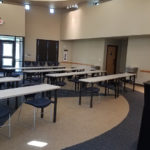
(46, 3)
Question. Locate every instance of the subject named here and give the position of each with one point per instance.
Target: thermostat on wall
(1, 21)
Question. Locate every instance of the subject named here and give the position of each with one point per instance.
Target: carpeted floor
(122, 137)
(125, 135)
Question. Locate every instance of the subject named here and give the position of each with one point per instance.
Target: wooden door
(111, 59)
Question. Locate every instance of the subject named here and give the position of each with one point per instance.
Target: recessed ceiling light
(27, 7)
(37, 144)
(72, 6)
(51, 10)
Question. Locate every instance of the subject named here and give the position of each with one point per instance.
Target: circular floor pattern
(75, 124)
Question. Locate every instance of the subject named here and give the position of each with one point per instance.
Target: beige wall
(138, 55)
(113, 18)
(40, 25)
(90, 51)
(14, 20)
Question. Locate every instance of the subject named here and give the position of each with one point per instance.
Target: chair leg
(19, 112)
(34, 119)
(9, 127)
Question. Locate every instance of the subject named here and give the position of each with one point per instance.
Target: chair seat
(91, 89)
(15, 74)
(39, 102)
(60, 83)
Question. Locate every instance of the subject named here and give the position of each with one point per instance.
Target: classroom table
(115, 77)
(43, 71)
(32, 67)
(8, 70)
(21, 91)
(10, 79)
(67, 74)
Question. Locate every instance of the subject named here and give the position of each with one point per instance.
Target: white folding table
(10, 79)
(115, 77)
(52, 78)
(21, 91)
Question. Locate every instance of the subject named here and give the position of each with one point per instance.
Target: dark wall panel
(47, 50)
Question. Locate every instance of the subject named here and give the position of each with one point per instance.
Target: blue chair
(27, 63)
(56, 63)
(50, 63)
(38, 103)
(4, 116)
(35, 64)
(42, 63)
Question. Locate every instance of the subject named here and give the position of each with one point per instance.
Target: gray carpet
(125, 135)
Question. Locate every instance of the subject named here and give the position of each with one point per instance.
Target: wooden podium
(144, 136)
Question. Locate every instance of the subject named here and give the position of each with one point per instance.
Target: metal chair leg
(34, 119)
(19, 112)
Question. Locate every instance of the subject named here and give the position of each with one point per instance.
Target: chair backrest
(50, 63)
(56, 63)
(27, 63)
(42, 63)
(35, 63)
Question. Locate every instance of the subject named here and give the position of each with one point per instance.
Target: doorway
(11, 51)
(8, 53)
(111, 59)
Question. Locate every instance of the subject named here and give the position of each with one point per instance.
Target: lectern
(144, 136)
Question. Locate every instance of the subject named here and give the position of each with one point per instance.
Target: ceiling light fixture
(1, 1)
(27, 6)
(94, 2)
(51, 10)
(72, 6)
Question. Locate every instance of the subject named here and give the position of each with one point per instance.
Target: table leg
(91, 102)
(23, 77)
(17, 83)
(7, 101)
(133, 83)
(16, 104)
(124, 84)
(115, 88)
(105, 84)
(42, 112)
(80, 87)
(118, 89)
(55, 107)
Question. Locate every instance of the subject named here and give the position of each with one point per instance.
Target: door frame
(116, 46)
(1, 46)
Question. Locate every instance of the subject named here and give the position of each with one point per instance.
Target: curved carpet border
(125, 135)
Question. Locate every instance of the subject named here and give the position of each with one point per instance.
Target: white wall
(138, 55)
(109, 19)
(14, 20)
(40, 25)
